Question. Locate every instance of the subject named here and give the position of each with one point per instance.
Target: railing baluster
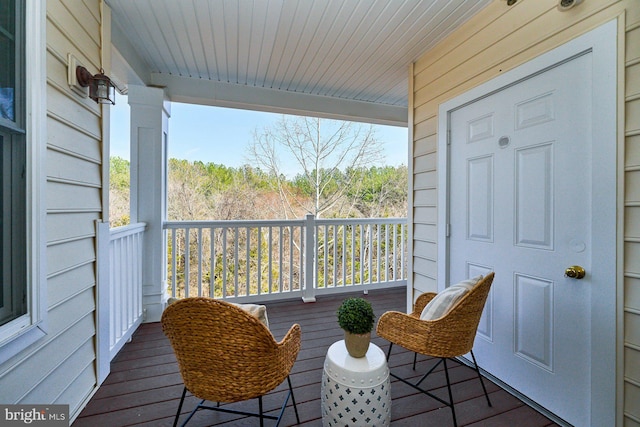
(187, 264)
(212, 264)
(386, 252)
(301, 255)
(325, 254)
(362, 252)
(119, 290)
(174, 267)
(280, 256)
(370, 250)
(344, 255)
(353, 254)
(290, 269)
(270, 259)
(259, 261)
(224, 262)
(199, 261)
(335, 256)
(128, 314)
(402, 257)
(378, 266)
(236, 261)
(248, 251)
(393, 253)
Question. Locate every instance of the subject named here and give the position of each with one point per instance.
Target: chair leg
(480, 377)
(416, 386)
(293, 399)
(433, 368)
(453, 411)
(260, 411)
(415, 358)
(389, 351)
(175, 421)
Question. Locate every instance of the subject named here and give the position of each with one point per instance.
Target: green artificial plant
(355, 315)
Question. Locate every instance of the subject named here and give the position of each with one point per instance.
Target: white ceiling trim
(207, 92)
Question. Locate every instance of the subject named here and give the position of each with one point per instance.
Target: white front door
(528, 189)
(521, 206)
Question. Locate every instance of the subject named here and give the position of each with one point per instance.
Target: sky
(221, 135)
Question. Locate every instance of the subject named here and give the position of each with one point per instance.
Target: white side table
(355, 391)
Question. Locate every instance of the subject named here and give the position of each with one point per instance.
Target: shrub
(355, 315)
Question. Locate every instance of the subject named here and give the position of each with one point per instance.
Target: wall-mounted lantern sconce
(101, 89)
(564, 5)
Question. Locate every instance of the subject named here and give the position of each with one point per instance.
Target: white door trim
(602, 44)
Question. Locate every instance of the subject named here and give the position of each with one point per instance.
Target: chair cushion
(259, 311)
(442, 303)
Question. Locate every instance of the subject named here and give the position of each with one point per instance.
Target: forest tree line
(208, 191)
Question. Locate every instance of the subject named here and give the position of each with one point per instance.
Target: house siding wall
(498, 39)
(60, 368)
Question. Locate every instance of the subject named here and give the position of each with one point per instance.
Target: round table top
(368, 371)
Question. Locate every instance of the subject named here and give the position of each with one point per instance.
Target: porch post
(150, 112)
(309, 291)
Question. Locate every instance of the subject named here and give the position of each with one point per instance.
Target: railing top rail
(231, 223)
(338, 221)
(127, 230)
(278, 223)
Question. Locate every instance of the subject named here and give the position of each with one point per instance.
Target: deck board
(144, 386)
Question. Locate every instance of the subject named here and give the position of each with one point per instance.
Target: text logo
(34, 415)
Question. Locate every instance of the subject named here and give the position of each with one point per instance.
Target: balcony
(280, 264)
(144, 386)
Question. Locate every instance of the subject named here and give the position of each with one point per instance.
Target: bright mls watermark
(34, 415)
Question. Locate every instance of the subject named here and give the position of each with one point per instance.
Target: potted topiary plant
(355, 316)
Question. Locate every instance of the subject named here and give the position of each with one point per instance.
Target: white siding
(500, 38)
(61, 368)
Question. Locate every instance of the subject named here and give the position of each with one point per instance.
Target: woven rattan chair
(227, 355)
(448, 337)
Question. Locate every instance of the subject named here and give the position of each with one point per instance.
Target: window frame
(17, 336)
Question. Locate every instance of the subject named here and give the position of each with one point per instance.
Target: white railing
(371, 252)
(119, 289)
(275, 259)
(125, 284)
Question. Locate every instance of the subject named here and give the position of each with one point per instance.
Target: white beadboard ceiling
(306, 55)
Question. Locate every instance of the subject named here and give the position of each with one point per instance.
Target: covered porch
(144, 385)
(150, 100)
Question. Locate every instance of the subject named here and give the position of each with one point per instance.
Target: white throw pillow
(442, 303)
(259, 311)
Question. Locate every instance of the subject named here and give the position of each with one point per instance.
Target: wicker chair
(227, 355)
(450, 336)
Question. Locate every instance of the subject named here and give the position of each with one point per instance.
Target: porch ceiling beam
(207, 92)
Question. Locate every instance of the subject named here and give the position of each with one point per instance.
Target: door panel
(520, 205)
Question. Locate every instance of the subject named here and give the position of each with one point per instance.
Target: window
(13, 298)
(22, 145)
(9, 59)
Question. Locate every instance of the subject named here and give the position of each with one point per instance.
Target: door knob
(575, 272)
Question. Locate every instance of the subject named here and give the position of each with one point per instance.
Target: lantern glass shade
(102, 90)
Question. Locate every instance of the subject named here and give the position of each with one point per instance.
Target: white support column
(150, 112)
(310, 244)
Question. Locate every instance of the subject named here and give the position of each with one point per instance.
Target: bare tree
(322, 150)
(185, 199)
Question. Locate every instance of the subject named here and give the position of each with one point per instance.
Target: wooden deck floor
(144, 386)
